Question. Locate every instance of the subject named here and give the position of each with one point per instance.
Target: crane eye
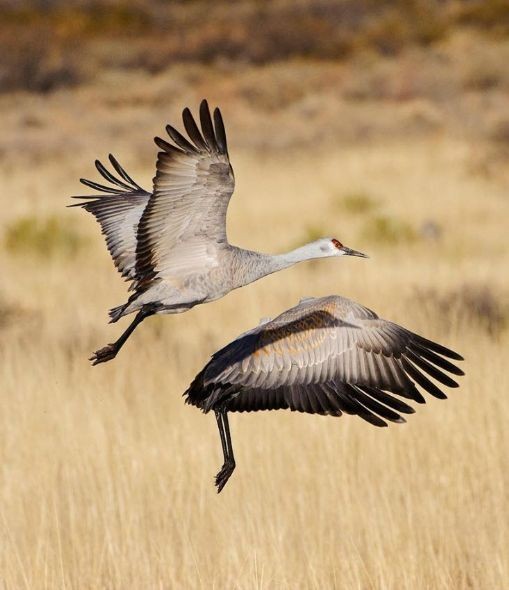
(337, 243)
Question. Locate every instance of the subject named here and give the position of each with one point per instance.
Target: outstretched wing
(184, 224)
(118, 211)
(326, 356)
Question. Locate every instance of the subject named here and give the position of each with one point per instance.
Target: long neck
(281, 261)
(255, 265)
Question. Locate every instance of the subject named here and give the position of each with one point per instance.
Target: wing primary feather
(352, 406)
(421, 380)
(192, 130)
(309, 392)
(294, 398)
(206, 126)
(388, 400)
(121, 172)
(323, 399)
(409, 390)
(167, 147)
(365, 414)
(430, 369)
(220, 132)
(100, 187)
(84, 203)
(109, 176)
(435, 359)
(304, 400)
(438, 348)
(333, 398)
(180, 140)
(375, 406)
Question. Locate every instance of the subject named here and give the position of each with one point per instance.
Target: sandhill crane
(324, 356)
(171, 243)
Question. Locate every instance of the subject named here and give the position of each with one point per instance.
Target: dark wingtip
(453, 355)
(220, 131)
(440, 349)
(114, 162)
(87, 198)
(180, 140)
(160, 143)
(204, 109)
(187, 116)
(207, 127)
(165, 146)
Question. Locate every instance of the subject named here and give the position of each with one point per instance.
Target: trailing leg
(110, 351)
(229, 460)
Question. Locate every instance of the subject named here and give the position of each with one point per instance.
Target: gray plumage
(324, 356)
(171, 244)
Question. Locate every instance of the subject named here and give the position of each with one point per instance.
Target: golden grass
(107, 477)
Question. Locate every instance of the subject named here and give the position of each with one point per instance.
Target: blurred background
(383, 124)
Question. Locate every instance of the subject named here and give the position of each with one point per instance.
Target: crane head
(338, 249)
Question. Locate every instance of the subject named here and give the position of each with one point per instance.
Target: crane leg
(229, 460)
(110, 351)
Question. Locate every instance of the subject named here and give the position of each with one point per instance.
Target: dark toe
(224, 475)
(102, 355)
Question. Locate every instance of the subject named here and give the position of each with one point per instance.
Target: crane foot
(103, 355)
(224, 475)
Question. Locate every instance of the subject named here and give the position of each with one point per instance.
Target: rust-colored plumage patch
(294, 334)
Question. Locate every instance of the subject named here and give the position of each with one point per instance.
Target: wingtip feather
(220, 131)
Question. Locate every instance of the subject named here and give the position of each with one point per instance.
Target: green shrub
(357, 203)
(388, 230)
(43, 237)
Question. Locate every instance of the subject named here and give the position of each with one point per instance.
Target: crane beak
(349, 252)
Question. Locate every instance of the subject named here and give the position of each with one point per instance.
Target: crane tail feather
(116, 313)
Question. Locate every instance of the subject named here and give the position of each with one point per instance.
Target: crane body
(171, 243)
(325, 356)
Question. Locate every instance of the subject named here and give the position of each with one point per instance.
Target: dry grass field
(106, 477)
